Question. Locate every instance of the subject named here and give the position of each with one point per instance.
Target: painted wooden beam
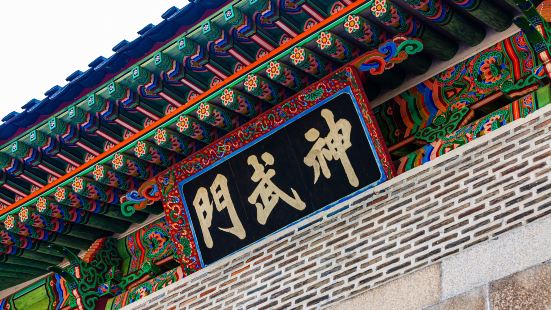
(153, 154)
(287, 76)
(264, 89)
(134, 167)
(192, 128)
(107, 176)
(45, 235)
(402, 22)
(28, 248)
(66, 197)
(29, 270)
(22, 261)
(443, 15)
(238, 102)
(175, 142)
(215, 116)
(31, 218)
(79, 216)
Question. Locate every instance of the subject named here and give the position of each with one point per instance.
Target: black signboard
(312, 161)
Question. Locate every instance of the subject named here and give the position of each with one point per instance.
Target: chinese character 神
(267, 191)
(222, 200)
(332, 147)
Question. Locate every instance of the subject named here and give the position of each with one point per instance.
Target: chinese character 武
(267, 191)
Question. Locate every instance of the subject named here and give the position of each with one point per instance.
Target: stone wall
(512, 271)
(441, 224)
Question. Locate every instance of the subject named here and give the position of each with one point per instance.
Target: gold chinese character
(267, 191)
(222, 200)
(332, 147)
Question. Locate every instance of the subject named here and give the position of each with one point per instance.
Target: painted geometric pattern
(145, 289)
(53, 294)
(180, 229)
(150, 243)
(517, 109)
(462, 85)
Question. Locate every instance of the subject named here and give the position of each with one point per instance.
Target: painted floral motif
(491, 70)
(490, 123)
(227, 96)
(117, 161)
(273, 70)
(261, 53)
(251, 82)
(98, 172)
(448, 74)
(352, 23)
(78, 184)
(41, 204)
(23, 214)
(458, 105)
(297, 55)
(140, 149)
(160, 136)
(59, 194)
(203, 111)
(379, 8)
(309, 23)
(157, 242)
(324, 40)
(88, 157)
(142, 291)
(183, 123)
(9, 222)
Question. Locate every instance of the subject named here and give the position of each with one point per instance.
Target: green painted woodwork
(91, 275)
(23, 262)
(97, 221)
(487, 12)
(24, 270)
(442, 125)
(43, 256)
(34, 299)
(153, 209)
(544, 96)
(416, 64)
(148, 268)
(217, 27)
(15, 275)
(461, 27)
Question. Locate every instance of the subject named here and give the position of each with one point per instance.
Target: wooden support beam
(45, 235)
(215, 116)
(29, 247)
(441, 14)
(28, 217)
(264, 89)
(21, 270)
(22, 261)
(66, 197)
(79, 216)
(107, 176)
(153, 154)
(134, 167)
(175, 142)
(287, 76)
(238, 102)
